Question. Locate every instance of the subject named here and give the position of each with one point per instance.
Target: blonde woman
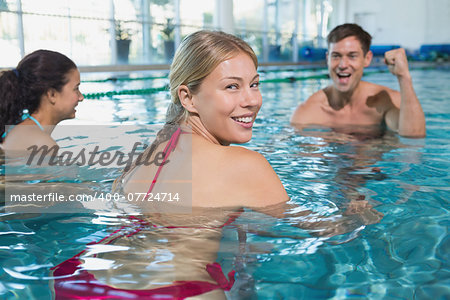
(215, 101)
(214, 86)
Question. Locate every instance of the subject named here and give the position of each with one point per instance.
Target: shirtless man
(360, 104)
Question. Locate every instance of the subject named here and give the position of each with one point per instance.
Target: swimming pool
(404, 256)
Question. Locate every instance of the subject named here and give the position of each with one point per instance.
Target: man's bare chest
(357, 115)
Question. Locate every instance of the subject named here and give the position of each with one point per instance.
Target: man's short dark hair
(345, 30)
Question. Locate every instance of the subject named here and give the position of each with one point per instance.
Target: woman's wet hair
(349, 29)
(196, 57)
(22, 88)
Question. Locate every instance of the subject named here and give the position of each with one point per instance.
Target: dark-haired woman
(39, 93)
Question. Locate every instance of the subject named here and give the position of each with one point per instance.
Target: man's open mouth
(343, 75)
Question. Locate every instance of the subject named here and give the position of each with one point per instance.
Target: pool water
(404, 256)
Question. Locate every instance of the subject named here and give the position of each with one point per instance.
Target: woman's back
(162, 249)
(206, 175)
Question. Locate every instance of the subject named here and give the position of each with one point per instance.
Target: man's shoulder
(318, 97)
(374, 88)
(310, 107)
(314, 101)
(381, 94)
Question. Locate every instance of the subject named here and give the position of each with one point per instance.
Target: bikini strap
(171, 144)
(36, 121)
(24, 117)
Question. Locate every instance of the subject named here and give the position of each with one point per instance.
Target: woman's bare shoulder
(27, 138)
(250, 178)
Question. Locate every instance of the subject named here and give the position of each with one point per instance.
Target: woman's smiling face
(229, 99)
(69, 96)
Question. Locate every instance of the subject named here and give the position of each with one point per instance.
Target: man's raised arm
(411, 119)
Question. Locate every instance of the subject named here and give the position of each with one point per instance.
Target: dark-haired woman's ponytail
(11, 103)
